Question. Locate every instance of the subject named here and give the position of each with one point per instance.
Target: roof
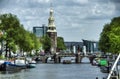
(74, 43)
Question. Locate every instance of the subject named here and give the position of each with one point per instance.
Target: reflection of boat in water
(104, 69)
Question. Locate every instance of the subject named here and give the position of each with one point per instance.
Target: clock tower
(52, 33)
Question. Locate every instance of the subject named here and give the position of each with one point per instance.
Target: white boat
(31, 63)
(50, 60)
(68, 60)
(2, 61)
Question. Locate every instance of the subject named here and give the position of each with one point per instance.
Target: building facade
(40, 31)
(91, 46)
(87, 47)
(73, 47)
(52, 33)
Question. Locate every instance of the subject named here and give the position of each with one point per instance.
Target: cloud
(81, 1)
(105, 9)
(74, 19)
(117, 7)
(115, 1)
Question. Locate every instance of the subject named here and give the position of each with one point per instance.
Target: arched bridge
(58, 57)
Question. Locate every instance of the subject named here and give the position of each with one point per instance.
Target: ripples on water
(56, 71)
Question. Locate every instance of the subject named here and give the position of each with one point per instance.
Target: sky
(74, 19)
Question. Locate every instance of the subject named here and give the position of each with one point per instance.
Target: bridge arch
(90, 57)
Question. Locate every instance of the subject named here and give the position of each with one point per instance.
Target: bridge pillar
(44, 59)
(57, 58)
(78, 58)
(91, 58)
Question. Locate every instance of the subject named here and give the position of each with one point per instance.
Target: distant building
(91, 46)
(74, 47)
(40, 31)
(88, 46)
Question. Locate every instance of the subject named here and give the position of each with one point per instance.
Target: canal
(57, 71)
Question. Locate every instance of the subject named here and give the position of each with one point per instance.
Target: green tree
(104, 42)
(60, 44)
(114, 35)
(46, 43)
(36, 41)
(15, 35)
(9, 25)
(110, 37)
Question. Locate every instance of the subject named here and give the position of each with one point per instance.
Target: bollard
(59, 59)
(43, 59)
(56, 58)
(46, 58)
(78, 58)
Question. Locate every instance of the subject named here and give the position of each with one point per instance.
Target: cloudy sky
(74, 19)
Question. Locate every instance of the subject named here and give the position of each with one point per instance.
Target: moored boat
(8, 66)
(13, 65)
(66, 62)
(31, 64)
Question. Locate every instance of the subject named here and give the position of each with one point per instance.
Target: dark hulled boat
(8, 66)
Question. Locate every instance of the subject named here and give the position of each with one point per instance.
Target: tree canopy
(60, 44)
(46, 43)
(110, 37)
(15, 35)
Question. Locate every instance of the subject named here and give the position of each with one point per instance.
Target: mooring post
(43, 59)
(78, 58)
(46, 58)
(59, 58)
(56, 58)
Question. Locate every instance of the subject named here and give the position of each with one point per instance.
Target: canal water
(57, 71)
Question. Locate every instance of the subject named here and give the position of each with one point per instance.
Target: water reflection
(56, 71)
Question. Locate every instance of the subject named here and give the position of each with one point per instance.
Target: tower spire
(52, 33)
(51, 24)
